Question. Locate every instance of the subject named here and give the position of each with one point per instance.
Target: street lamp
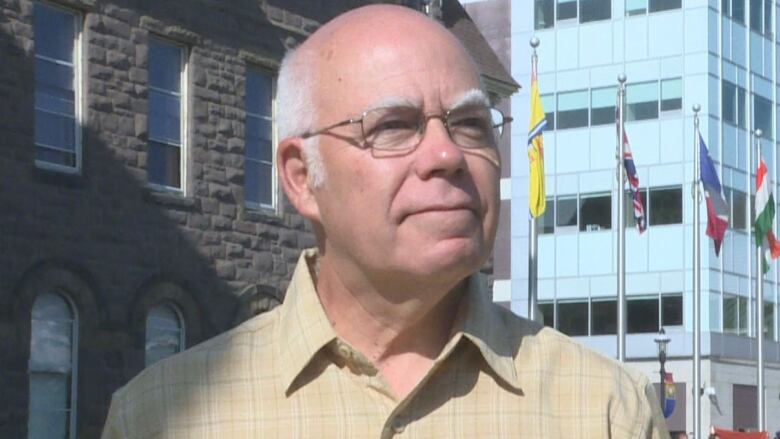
(662, 340)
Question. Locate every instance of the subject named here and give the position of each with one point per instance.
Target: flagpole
(532, 228)
(696, 275)
(760, 308)
(621, 229)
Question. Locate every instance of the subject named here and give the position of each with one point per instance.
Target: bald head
(322, 69)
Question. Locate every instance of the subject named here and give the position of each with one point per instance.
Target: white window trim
(274, 206)
(78, 93)
(74, 355)
(183, 119)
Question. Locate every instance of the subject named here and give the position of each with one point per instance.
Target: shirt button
(398, 425)
(344, 351)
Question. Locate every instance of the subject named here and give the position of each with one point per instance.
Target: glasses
(401, 128)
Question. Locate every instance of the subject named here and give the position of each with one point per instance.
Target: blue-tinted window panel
(54, 32)
(671, 94)
(544, 15)
(642, 315)
(54, 75)
(165, 66)
(49, 414)
(259, 149)
(592, 10)
(763, 115)
(258, 139)
(164, 117)
(257, 183)
(259, 89)
(55, 156)
(636, 7)
(664, 5)
(548, 102)
(602, 102)
(567, 9)
(642, 101)
(163, 164)
(55, 130)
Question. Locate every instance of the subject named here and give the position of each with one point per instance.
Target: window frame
(184, 50)
(74, 359)
(78, 90)
(274, 140)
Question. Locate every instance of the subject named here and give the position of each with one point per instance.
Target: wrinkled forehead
(403, 56)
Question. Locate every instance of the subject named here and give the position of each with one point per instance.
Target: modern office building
(721, 55)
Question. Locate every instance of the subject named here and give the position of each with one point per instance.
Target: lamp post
(662, 340)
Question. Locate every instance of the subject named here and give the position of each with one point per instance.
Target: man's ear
(294, 176)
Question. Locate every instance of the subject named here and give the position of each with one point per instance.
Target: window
(636, 7)
(602, 105)
(573, 109)
(53, 355)
(733, 100)
(547, 311)
(762, 115)
(548, 102)
(737, 208)
(761, 16)
(642, 315)
(57, 92)
(603, 317)
(642, 101)
(735, 315)
(769, 320)
(586, 10)
(259, 180)
(665, 206)
(592, 10)
(548, 218)
(671, 310)
(166, 121)
(734, 9)
(544, 15)
(671, 94)
(573, 318)
(566, 212)
(164, 333)
(567, 9)
(595, 212)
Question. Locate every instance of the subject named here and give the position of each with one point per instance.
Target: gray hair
(295, 112)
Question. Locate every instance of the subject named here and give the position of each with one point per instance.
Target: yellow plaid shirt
(286, 374)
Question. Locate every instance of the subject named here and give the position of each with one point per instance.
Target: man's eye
(391, 125)
(471, 123)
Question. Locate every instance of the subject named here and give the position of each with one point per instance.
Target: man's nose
(437, 154)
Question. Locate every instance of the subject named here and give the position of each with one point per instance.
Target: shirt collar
(483, 323)
(304, 328)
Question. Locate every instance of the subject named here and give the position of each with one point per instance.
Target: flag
(536, 193)
(765, 216)
(717, 209)
(670, 395)
(633, 179)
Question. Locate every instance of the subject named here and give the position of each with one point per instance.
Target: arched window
(164, 333)
(53, 363)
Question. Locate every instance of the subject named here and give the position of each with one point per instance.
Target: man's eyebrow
(474, 96)
(395, 101)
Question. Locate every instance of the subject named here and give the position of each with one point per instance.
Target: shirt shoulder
(582, 383)
(186, 386)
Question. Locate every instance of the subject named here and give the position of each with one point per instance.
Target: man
(390, 151)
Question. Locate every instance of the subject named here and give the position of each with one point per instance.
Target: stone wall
(103, 237)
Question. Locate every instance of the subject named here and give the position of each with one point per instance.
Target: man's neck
(401, 338)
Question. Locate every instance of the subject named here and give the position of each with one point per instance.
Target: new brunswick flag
(536, 194)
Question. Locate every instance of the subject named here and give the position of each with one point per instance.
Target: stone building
(139, 212)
